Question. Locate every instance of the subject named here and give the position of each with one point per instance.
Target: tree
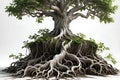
(63, 12)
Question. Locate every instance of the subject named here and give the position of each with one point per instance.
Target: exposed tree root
(61, 58)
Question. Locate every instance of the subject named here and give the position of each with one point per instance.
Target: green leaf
(20, 55)
(12, 55)
(39, 20)
(109, 56)
(92, 17)
(92, 40)
(81, 35)
(102, 47)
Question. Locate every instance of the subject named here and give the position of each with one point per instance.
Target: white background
(13, 32)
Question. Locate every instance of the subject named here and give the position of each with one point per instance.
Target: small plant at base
(102, 47)
(41, 36)
(81, 35)
(41, 33)
(109, 56)
(19, 56)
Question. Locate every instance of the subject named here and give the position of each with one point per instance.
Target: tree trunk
(61, 27)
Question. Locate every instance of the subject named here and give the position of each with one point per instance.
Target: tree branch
(56, 9)
(75, 9)
(76, 15)
(66, 5)
(52, 14)
(40, 13)
(37, 14)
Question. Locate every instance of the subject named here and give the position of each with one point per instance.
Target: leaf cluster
(40, 37)
(102, 47)
(13, 56)
(19, 8)
(101, 9)
(109, 56)
(79, 39)
(37, 8)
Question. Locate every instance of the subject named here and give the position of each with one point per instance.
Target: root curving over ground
(61, 58)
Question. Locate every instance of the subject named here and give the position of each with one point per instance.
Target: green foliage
(40, 37)
(92, 17)
(39, 8)
(79, 39)
(44, 32)
(19, 56)
(102, 47)
(39, 19)
(19, 8)
(102, 8)
(41, 33)
(109, 56)
(83, 36)
(92, 40)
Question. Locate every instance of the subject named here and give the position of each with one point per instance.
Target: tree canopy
(72, 8)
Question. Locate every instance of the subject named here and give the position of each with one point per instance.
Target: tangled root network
(61, 59)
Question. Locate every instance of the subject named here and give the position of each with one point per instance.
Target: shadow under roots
(61, 58)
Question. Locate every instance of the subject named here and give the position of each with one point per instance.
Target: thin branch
(66, 5)
(33, 14)
(62, 4)
(55, 8)
(40, 13)
(52, 14)
(76, 2)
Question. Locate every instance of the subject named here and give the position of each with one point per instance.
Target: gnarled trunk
(61, 27)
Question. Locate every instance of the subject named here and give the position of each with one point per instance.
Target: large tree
(69, 57)
(62, 11)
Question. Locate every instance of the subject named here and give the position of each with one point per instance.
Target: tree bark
(61, 27)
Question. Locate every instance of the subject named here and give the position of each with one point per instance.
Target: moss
(31, 44)
(93, 44)
(78, 40)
